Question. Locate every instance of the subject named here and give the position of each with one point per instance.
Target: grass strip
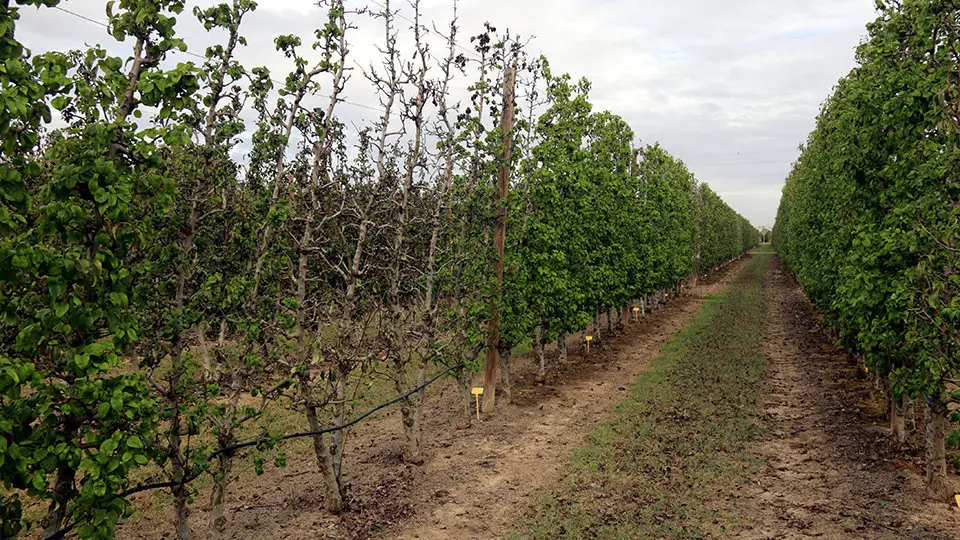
(670, 460)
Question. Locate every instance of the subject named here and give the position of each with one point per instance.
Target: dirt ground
(475, 481)
(832, 473)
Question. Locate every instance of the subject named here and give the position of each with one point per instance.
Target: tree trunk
(333, 496)
(181, 494)
(325, 453)
(411, 413)
(466, 408)
(505, 381)
(898, 427)
(221, 344)
(63, 492)
(221, 476)
(562, 348)
(181, 512)
(538, 333)
(935, 415)
(328, 448)
(200, 331)
(609, 322)
(218, 496)
(596, 327)
(909, 414)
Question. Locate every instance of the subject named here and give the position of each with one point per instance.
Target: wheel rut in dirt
(831, 472)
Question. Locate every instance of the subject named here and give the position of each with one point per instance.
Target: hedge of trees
(869, 215)
(159, 297)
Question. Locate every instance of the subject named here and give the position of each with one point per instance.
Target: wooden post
(492, 372)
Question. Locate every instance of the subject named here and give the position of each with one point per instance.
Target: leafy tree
(189, 261)
(71, 263)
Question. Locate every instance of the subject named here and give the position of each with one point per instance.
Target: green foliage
(597, 225)
(869, 219)
(69, 266)
(667, 224)
(722, 234)
(120, 240)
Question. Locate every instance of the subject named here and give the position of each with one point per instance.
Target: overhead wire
(80, 16)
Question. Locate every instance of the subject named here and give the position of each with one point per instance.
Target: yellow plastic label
(477, 392)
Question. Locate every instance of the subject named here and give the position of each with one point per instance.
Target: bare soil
(831, 470)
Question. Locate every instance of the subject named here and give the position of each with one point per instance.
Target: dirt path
(831, 473)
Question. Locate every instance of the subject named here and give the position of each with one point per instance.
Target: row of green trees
(869, 216)
(158, 298)
(599, 225)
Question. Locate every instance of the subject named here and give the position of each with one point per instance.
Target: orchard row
(870, 216)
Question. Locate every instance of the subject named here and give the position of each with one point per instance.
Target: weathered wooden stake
(492, 372)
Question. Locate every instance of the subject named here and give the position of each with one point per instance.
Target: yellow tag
(958, 499)
(476, 397)
(636, 309)
(589, 338)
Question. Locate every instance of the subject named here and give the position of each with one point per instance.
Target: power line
(84, 17)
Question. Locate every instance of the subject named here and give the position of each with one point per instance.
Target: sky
(730, 87)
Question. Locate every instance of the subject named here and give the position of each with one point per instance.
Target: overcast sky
(731, 87)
